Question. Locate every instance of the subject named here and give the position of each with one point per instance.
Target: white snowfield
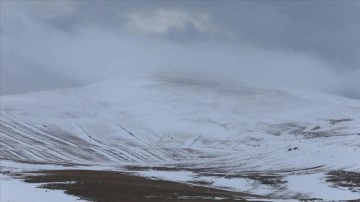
(273, 143)
(12, 190)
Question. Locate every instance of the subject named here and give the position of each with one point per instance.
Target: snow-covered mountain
(260, 141)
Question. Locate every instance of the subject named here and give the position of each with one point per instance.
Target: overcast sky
(297, 44)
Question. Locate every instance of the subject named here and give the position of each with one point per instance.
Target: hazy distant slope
(171, 113)
(183, 123)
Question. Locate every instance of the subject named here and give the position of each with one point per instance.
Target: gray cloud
(275, 44)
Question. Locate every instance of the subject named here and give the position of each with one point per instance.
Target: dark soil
(335, 121)
(108, 186)
(341, 178)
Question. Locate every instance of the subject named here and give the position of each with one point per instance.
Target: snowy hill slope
(209, 130)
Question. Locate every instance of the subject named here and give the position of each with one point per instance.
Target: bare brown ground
(108, 186)
(347, 179)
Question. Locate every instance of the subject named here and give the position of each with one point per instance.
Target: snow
(185, 124)
(14, 190)
(178, 176)
(315, 187)
(311, 185)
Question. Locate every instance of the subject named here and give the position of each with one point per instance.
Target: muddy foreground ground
(111, 186)
(108, 186)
